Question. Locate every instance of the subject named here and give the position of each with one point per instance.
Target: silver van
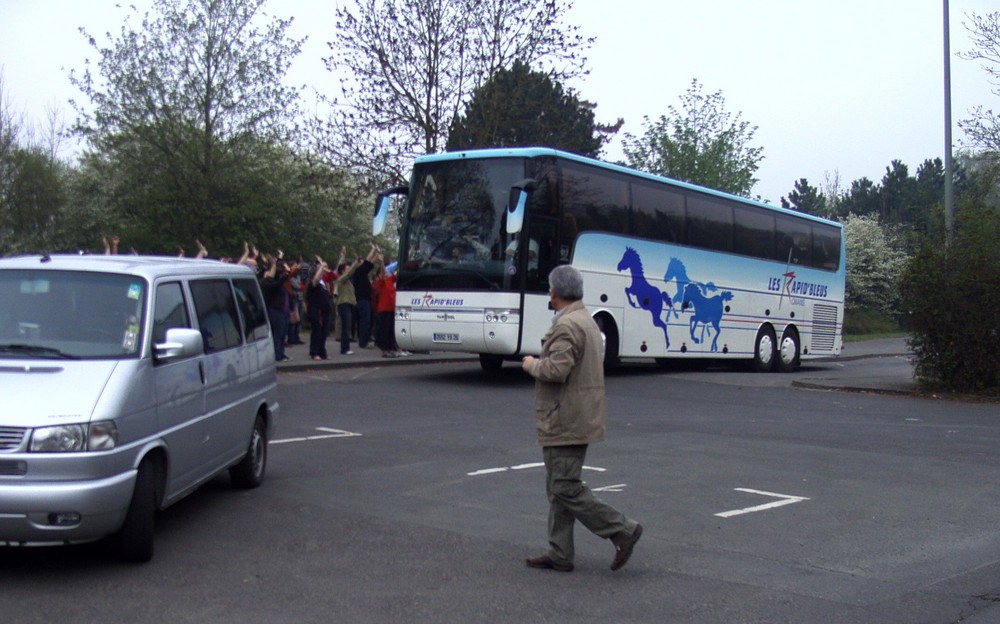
(127, 382)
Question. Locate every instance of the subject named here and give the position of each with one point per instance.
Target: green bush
(951, 299)
(868, 322)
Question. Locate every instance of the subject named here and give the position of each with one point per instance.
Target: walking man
(569, 412)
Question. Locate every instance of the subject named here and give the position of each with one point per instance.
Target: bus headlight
(500, 316)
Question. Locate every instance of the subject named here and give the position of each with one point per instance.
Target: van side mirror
(516, 202)
(180, 343)
(383, 205)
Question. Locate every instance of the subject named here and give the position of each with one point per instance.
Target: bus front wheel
(610, 334)
(490, 363)
(788, 351)
(764, 350)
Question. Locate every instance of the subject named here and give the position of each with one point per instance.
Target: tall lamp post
(949, 193)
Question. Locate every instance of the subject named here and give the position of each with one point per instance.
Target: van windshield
(70, 314)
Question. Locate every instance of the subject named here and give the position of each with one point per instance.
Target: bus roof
(537, 152)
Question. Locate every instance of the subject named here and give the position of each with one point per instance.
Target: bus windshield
(454, 235)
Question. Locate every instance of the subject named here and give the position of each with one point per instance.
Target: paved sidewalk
(362, 357)
(883, 365)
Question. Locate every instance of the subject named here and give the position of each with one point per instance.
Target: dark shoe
(624, 550)
(546, 563)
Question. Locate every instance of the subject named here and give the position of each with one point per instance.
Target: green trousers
(570, 499)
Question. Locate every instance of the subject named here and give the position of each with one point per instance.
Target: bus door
(542, 257)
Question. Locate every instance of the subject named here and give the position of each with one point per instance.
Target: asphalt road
(412, 494)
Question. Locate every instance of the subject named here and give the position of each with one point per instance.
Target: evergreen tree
(519, 107)
(806, 198)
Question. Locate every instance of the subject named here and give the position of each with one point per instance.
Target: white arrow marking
(332, 433)
(785, 500)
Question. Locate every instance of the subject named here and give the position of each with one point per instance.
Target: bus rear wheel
(610, 334)
(788, 351)
(764, 350)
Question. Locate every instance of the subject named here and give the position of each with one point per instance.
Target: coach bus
(671, 270)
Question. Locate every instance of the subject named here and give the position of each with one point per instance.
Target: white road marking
(785, 500)
(526, 466)
(486, 471)
(331, 433)
(611, 488)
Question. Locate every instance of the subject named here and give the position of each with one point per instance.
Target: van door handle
(201, 371)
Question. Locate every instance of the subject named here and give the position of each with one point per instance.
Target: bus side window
(754, 233)
(709, 223)
(826, 247)
(657, 213)
(794, 241)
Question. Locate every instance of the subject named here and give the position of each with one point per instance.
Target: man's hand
(527, 363)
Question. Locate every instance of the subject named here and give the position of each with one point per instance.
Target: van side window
(170, 310)
(217, 316)
(251, 302)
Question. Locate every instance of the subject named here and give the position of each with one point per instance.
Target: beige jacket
(569, 386)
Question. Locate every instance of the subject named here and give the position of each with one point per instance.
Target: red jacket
(385, 294)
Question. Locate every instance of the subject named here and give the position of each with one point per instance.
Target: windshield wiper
(26, 349)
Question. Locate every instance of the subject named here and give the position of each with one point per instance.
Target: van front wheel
(249, 473)
(135, 540)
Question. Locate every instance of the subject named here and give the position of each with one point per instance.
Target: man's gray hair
(567, 282)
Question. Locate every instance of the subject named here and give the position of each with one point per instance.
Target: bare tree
(10, 130)
(54, 131)
(983, 129)
(408, 68)
(11, 124)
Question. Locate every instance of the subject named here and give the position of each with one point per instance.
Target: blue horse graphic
(641, 294)
(677, 271)
(707, 310)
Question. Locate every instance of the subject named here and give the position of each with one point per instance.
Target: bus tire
(764, 350)
(490, 363)
(610, 334)
(788, 351)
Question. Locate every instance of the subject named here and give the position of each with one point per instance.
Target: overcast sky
(833, 87)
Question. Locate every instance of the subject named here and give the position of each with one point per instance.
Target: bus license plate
(454, 338)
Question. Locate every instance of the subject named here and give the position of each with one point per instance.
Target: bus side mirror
(516, 203)
(383, 205)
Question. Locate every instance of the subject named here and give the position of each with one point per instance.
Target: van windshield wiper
(26, 349)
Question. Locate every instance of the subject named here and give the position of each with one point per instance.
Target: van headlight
(98, 436)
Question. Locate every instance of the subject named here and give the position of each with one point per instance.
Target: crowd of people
(354, 300)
